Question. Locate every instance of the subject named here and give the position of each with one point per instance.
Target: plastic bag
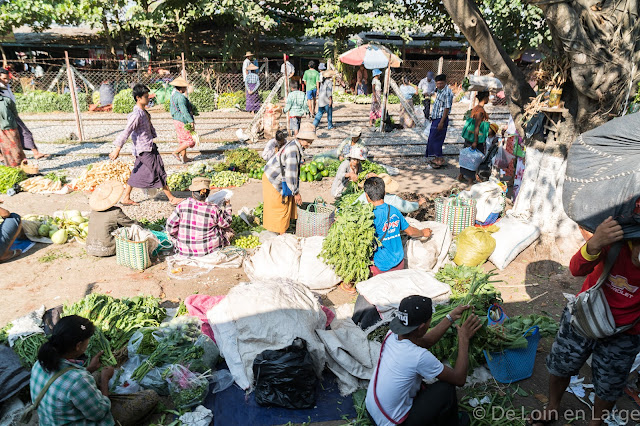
(220, 380)
(470, 158)
(503, 159)
(121, 382)
(133, 347)
(186, 388)
(285, 377)
(475, 245)
(210, 357)
(13, 376)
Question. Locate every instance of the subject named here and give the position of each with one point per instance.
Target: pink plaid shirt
(197, 228)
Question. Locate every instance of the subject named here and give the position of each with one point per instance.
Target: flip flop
(133, 203)
(177, 157)
(42, 157)
(347, 289)
(14, 253)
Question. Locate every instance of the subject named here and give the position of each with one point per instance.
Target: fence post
(440, 64)
(286, 89)
(468, 67)
(266, 72)
(74, 100)
(479, 65)
(184, 71)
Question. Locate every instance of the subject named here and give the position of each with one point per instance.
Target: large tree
(598, 42)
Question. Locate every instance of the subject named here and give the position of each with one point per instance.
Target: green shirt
(8, 114)
(181, 109)
(296, 104)
(311, 78)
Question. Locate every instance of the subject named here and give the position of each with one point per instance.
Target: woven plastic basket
(457, 213)
(132, 254)
(512, 365)
(314, 218)
(163, 239)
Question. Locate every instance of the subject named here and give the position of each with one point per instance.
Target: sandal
(178, 159)
(14, 253)
(42, 156)
(348, 289)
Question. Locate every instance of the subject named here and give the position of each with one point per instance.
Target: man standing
(311, 79)
(287, 67)
(440, 121)
(428, 87)
(325, 99)
(248, 59)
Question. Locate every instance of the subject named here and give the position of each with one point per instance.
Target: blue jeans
(9, 229)
(321, 111)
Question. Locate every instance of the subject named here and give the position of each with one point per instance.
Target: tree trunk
(107, 32)
(4, 57)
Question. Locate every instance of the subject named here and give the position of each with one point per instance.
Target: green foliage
(203, 99)
(393, 99)
(264, 94)
(232, 100)
(123, 102)
(95, 98)
(516, 24)
(244, 159)
(167, 105)
(42, 101)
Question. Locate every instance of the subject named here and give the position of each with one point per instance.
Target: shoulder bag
(286, 191)
(375, 391)
(28, 412)
(375, 240)
(590, 312)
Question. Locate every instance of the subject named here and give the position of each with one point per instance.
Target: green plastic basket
(132, 254)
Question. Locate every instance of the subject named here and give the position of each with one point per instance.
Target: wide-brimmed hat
(376, 72)
(357, 153)
(390, 185)
(106, 195)
(322, 66)
(252, 67)
(411, 314)
(199, 183)
(356, 132)
(494, 127)
(179, 82)
(328, 74)
(246, 55)
(307, 131)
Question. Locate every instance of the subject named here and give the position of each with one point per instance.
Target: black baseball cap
(411, 314)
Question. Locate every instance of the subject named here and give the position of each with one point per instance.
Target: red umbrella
(371, 56)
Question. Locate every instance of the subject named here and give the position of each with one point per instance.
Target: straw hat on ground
(356, 132)
(246, 55)
(106, 195)
(199, 183)
(252, 67)
(390, 185)
(179, 82)
(307, 131)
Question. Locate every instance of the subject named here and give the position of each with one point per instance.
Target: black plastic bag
(13, 376)
(285, 377)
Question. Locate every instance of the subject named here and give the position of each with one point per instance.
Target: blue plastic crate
(512, 365)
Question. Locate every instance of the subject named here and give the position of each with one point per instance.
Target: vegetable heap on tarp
(9, 176)
(61, 228)
(101, 172)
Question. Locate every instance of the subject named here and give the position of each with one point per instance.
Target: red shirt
(620, 289)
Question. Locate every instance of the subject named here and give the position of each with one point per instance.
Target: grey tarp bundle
(603, 176)
(13, 376)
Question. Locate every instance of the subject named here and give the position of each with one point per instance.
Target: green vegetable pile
(256, 173)
(95, 98)
(343, 97)
(27, 348)
(55, 177)
(313, 171)
(348, 245)
(258, 212)
(118, 319)
(246, 242)
(228, 178)
(179, 181)
(187, 389)
(332, 167)
(370, 167)
(156, 225)
(123, 102)
(4, 333)
(232, 100)
(203, 99)
(393, 99)
(176, 345)
(148, 343)
(9, 176)
(264, 94)
(71, 224)
(97, 343)
(243, 159)
(362, 99)
(239, 225)
(41, 101)
(346, 199)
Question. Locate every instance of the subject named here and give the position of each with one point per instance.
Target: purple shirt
(140, 129)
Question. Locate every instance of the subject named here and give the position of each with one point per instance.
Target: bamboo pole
(440, 64)
(184, 71)
(74, 100)
(468, 67)
(286, 89)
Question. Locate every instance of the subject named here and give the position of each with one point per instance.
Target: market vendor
(389, 256)
(75, 397)
(611, 357)
(196, 227)
(10, 143)
(182, 113)
(10, 230)
(148, 169)
(348, 171)
(352, 141)
(105, 218)
(281, 182)
(396, 392)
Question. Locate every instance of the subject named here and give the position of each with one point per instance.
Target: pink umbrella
(371, 56)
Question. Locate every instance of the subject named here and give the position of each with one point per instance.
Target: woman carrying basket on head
(182, 114)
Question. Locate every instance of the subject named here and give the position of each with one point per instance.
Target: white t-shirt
(245, 64)
(427, 87)
(402, 368)
(290, 68)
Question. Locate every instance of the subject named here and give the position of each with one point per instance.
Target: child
(105, 218)
(296, 107)
(361, 87)
(148, 169)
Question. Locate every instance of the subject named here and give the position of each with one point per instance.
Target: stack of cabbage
(62, 227)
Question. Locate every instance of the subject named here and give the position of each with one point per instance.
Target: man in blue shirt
(388, 223)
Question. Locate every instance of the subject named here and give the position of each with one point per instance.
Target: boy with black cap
(396, 394)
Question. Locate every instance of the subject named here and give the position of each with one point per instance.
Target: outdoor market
(381, 230)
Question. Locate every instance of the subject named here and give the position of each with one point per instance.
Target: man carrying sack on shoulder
(612, 267)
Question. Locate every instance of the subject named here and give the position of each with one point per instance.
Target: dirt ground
(51, 275)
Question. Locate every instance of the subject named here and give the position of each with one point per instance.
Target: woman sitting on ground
(10, 229)
(348, 171)
(196, 227)
(273, 146)
(75, 397)
(105, 218)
